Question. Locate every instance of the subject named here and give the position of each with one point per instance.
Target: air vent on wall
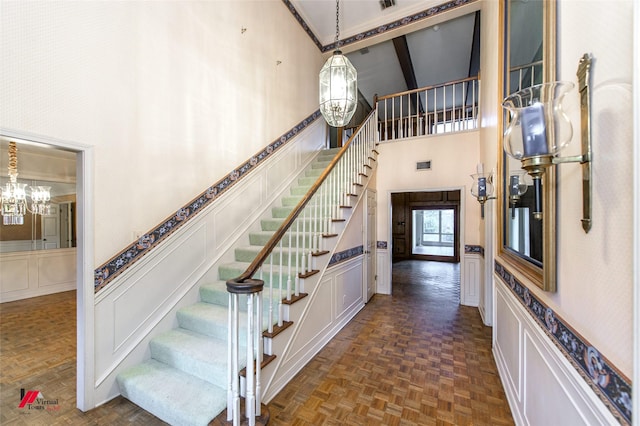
(423, 165)
(387, 3)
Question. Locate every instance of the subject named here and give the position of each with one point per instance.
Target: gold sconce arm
(584, 77)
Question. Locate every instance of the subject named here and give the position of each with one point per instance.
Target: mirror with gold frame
(527, 244)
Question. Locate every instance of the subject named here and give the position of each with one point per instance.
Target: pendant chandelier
(338, 85)
(14, 195)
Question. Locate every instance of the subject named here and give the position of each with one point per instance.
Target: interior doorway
(80, 235)
(426, 226)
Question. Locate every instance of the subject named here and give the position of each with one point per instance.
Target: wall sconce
(539, 130)
(517, 188)
(482, 187)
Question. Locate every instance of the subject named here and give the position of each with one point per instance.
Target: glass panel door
(434, 232)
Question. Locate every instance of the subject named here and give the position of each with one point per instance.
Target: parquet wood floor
(414, 358)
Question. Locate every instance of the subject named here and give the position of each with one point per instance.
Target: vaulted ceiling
(441, 43)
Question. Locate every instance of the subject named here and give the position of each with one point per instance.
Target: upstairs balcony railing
(286, 260)
(523, 76)
(444, 108)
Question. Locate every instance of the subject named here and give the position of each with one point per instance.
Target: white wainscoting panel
(235, 212)
(141, 303)
(332, 303)
(36, 273)
(383, 270)
(542, 387)
(470, 279)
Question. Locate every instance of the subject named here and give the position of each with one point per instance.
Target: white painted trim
(85, 260)
(461, 219)
(636, 210)
(567, 384)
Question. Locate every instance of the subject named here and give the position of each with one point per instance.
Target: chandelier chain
(13, 162)
(337, 23)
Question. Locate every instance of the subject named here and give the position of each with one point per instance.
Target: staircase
(185, 380)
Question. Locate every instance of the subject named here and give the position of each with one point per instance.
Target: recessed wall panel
(15, 275)
(54, 270)
(232, 214)
(546, 402)
(133, 308)
(508, 341)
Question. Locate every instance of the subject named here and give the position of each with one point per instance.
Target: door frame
(85, 346)
(390, 226)
(369, 253)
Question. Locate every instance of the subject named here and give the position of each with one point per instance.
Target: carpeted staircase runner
(185, 381)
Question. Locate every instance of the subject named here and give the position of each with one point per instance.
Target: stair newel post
(250, 407)
(259, 351)
(252, 288)
(232, 357)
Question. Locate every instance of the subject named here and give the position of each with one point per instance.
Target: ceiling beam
(404, 57)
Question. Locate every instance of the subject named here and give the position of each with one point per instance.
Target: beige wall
(454, 158)
(595, 270)
(162, 90)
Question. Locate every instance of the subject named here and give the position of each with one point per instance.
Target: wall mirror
(40, 165)
(527, 243)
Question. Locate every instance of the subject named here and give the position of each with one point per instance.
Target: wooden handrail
(235, 285)
(422, 89)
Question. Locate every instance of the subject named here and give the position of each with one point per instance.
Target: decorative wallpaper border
(428, 13)
(471, 249)
(120, 262)
(345, 255)
(611, 386)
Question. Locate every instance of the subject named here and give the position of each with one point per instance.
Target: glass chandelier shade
(14, 203)
(538, 126)
(482, 186)
(338, 85)
(14, 195)
(338, 90)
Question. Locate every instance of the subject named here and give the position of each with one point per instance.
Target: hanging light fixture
(14, 195)
(338, 85)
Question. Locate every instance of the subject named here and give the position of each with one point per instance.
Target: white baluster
(289, 271)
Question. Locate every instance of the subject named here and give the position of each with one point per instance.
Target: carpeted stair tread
(248, 253)
(291, 200)
(260, 238)
(201, 356)
(173, 396)
(299, 190)
(204, 318)
(271, 224)
(216, 293)
(282, 212)
(231, 270)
